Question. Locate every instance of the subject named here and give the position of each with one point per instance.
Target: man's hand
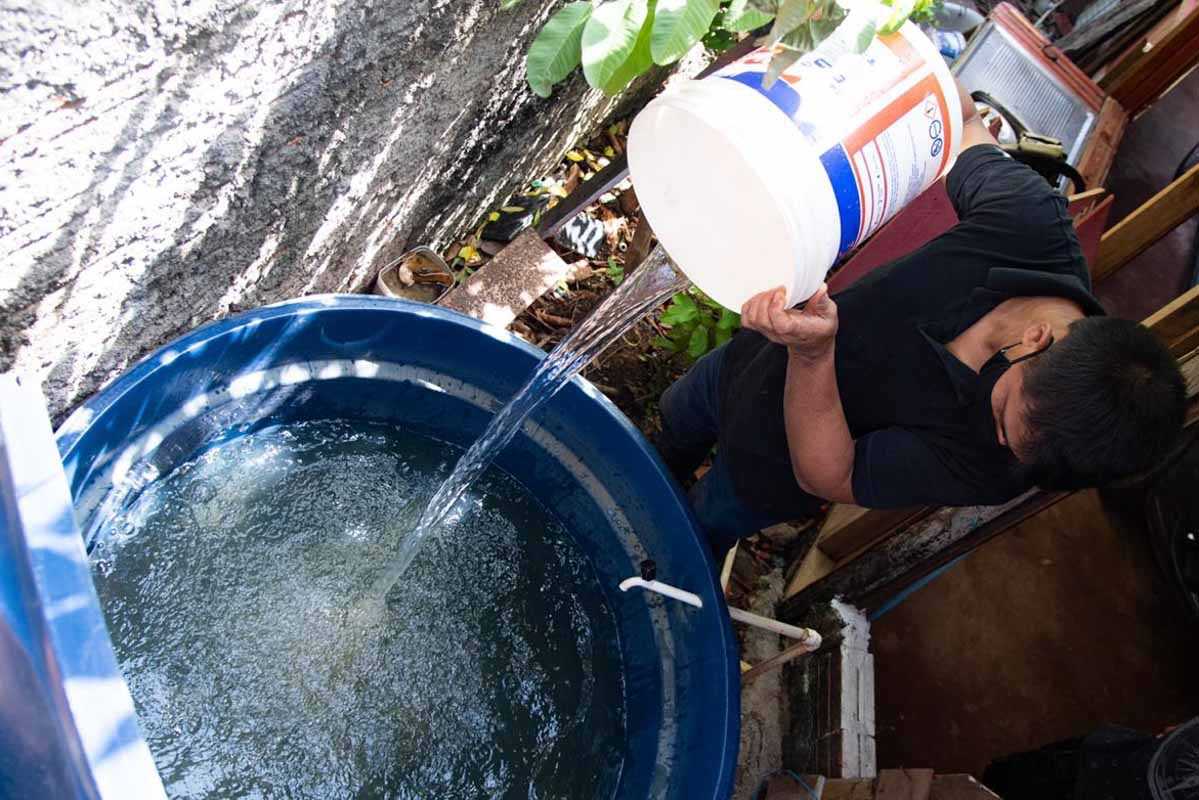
(808, 332)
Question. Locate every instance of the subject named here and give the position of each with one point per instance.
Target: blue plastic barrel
(363, 358)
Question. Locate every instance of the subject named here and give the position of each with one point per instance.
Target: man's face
(1008, 406)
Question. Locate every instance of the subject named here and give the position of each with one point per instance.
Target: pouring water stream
(646, 288)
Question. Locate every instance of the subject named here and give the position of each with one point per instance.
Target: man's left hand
(809, 331)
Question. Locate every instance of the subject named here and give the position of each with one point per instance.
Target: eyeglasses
(1035, 353)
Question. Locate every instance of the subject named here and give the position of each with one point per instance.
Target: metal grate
(995, 63)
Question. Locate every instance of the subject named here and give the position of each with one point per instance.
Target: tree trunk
(165, 164)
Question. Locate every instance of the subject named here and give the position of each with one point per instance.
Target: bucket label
(878, 120)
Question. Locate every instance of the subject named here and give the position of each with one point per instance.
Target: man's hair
(1106, 402)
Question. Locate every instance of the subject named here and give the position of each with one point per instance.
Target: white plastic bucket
(749, 189)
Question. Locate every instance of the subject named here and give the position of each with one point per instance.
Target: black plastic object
(522, 212)
(649, 570)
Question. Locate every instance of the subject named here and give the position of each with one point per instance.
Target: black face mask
(982, 418)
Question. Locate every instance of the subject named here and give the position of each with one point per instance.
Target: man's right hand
(808, 332)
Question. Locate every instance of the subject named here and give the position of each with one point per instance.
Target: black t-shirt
(923, 433)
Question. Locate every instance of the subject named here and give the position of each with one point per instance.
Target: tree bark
(166, 164)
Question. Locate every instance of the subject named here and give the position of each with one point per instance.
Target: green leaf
(558, 47)
(615, 272)
(507, 4)
(678, 25)
(677, 315)
(639, 61)
(698, 345)
(729, 321)
(822, 27)
(742, 16)
(609, 38)
(783, 57)
(720, 337)
(684, 301)
(865, 36)
(791, 15)
(681, 334)
(900, 11)
(662, 343)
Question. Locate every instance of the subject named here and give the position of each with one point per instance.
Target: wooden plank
(904, 784)
(1156, 61)
(1161, 214)
(851, 528)
(1081, 203)
(1177, 323)
(960, 787)
(784, 786)
(1089, 228)
(841, 789)
(814, 566)
(1100, 150)
(1190, 373)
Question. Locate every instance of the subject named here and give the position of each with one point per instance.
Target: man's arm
(822, 451)
(974, 130)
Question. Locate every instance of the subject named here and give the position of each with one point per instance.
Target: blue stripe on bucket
(845, 188)
(780, 92)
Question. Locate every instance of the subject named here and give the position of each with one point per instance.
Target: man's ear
(1037, 336)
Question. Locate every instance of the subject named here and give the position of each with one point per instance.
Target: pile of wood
(1106, 27)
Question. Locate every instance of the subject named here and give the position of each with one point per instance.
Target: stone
(510, 282)
(167, 164)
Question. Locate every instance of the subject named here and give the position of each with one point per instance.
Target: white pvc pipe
(806, 635)
(663, 589)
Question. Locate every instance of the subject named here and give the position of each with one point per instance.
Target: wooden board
(1100, 150)
(1177, 323)
(1157, 60)
(960, 787)
(848, 790)
(849, 528)
(785, 787)
(1159, 215)
(904, 784)
(1089, 227)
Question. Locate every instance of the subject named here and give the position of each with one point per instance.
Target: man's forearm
(817, 434)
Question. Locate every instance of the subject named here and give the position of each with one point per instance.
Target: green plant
(696, 324)
(615, 271)
(617, 40)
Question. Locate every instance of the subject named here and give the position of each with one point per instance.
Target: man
(962, 374)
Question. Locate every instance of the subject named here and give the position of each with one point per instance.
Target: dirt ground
(633, 373)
